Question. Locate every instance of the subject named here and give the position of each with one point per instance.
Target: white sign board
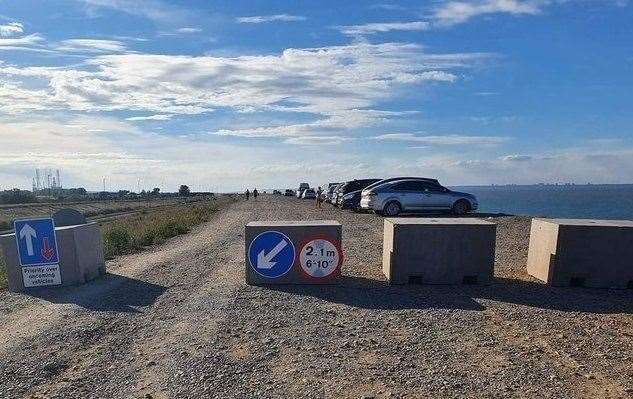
(37, 276)
(320, 257)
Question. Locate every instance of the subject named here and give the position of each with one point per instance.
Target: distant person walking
(248, 194)
(319, 197)
(255, 194)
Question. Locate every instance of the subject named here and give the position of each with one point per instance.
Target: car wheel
(392, 209)
(461, 207)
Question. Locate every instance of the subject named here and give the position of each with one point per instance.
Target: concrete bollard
(80, 254)
(438, 250)
(293, 252)
(582, 252)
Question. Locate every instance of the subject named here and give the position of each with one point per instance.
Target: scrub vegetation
(149, 227)
(132, 234)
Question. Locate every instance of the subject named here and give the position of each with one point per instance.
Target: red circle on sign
(330, 276)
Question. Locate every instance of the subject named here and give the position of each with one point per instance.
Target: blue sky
(223, 95)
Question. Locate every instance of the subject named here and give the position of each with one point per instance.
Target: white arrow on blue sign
(36, 241)
(271, 254)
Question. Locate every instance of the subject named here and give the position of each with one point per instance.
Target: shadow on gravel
(566, 299)
(373, 294)
(110, 293)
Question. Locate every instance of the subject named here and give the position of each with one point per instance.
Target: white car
(308, 194)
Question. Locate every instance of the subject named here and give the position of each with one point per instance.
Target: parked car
(335, 193)
(309, 194)
(351, 193)
(410, 195)
(302, 187)
(330, 191)
(352, 186)
(289, 193)
(399, 178)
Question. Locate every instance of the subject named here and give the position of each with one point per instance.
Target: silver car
(411, 195)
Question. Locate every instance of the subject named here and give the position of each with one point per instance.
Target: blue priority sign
(37, 244)
(271, 254)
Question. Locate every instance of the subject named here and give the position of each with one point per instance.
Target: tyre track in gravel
(118, 336)
(192, 328)
(365, 338)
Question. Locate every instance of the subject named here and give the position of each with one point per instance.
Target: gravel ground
(178, 321)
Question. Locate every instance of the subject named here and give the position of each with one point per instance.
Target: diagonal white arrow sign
(28, 233)
(264, 260)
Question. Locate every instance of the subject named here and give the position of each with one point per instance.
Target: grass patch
(107, 211)
(4, 225)
(132, 234)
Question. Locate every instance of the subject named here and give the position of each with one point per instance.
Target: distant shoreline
(570, 185)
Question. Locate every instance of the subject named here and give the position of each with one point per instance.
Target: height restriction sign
(320, 258)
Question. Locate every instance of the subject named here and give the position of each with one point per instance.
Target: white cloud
(11, 29)
(388, 6)
(157, 117)
(21, 41)
(258, 19)
(566, 165)
(451, 139)
(89, 147)
(334, 121)
(338, 85)
(152, 9)
(316, 140)
(188, 30)
(517, 158)
(91, 46)
(456, 12)
(438, 76)
(371, 28)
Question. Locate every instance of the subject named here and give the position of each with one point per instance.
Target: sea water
(594, 201)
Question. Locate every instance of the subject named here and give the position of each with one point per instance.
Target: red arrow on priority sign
(47, 252)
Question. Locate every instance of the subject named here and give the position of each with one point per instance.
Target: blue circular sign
(271, 254)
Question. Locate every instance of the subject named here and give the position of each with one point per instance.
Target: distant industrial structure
(46, 181)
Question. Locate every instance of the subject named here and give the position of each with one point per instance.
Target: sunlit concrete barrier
(438, 250)
(293, 252)
(80, 259)
(582, 252)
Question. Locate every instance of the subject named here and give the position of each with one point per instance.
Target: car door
(433, 196)
(408, 194)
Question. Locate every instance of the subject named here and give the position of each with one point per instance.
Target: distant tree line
(17, 196)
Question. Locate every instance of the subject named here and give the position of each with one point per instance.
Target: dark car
(350, 193)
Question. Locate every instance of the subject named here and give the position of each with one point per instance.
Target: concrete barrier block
(438, 250)
(582, 252)
(80, 256)
(293, 252)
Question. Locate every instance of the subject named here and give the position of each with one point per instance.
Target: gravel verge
(178, 321)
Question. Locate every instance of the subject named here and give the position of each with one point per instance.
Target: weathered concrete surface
(438, 250)
(299, 232)
(80, 256)
(582, 252)
(68, 217)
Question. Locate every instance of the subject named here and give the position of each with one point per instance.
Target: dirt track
(178, 321)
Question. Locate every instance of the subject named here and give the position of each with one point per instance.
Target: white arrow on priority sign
(264, 260)
(28, 233)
